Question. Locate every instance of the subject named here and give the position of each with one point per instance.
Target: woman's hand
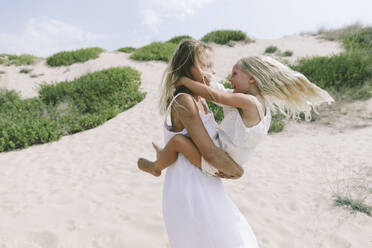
(223, 175)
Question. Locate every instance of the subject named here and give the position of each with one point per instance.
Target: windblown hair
(188, 53)
(284, 89)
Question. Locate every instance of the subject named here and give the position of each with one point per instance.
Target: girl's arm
(238, 100)
(188, 114)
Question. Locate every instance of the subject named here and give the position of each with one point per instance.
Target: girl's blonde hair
(189, 52)
(290, 91)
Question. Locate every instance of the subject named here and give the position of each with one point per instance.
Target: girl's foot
(148, 166)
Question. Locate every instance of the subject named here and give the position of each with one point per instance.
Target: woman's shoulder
(185, 101)
(183, 95)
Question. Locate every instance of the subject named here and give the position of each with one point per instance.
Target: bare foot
(148, 166)
(157, 149)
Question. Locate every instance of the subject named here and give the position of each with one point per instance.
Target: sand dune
(85, 190)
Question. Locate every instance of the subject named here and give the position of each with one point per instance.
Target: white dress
(234, 137)
(196, 208)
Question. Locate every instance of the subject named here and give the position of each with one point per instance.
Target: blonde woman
(196, 209)
(259, 83)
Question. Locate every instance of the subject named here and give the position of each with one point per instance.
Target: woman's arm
(188, 114)
(238, 100)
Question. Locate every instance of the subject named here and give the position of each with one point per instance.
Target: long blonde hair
(188, 53)
(284, 89)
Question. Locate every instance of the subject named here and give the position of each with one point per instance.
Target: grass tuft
(354, 205)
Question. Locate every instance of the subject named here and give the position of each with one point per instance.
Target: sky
(44, 27)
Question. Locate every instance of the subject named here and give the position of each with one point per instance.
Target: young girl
(259, 83)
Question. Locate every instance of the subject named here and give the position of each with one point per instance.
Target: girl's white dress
(196, 208)
(234, 137)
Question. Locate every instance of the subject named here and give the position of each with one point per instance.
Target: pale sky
(44, 27)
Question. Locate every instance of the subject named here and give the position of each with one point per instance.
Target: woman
(197, 211)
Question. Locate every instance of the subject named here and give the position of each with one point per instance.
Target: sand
(85, 190)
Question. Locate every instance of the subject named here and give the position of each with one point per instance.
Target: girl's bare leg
(168, 155)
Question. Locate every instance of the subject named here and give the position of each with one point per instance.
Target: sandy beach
(85, 190)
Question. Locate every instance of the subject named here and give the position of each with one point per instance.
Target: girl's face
(207, 67)
(240, 80)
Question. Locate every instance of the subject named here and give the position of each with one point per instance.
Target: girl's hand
(181, 81)
(207, 79)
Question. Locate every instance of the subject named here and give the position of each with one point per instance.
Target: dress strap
(259, 106)
(174, 98)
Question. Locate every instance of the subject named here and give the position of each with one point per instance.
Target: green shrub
(18, 60)
(177, 39)
(127, 49)
(339, 72)
(339, 34)
(217, 110)
(36, 75)
(154, 51)
(271, 49)
(24, 70)
(224, 36)
(277, 123)
(287, 53)
(24, 122)
(350, 73)
(360, 40)
(67, 107)
(76, 56)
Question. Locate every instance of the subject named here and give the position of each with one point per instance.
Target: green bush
(24, 122)
(24, 70)
(127, 49)
(287, 53)
(18, 60)
(360, 40)
(348, 74)
(154, 51)
(67, 107)
(339, 34)
(271, 49)
(339, 72)
(217, 110)
(177, 39)
(277, 123)
(76, 56)
(224, 36)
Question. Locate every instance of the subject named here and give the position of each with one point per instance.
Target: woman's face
(207, 67)
(240, 80)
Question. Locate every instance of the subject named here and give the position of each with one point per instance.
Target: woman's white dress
(197, 211)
